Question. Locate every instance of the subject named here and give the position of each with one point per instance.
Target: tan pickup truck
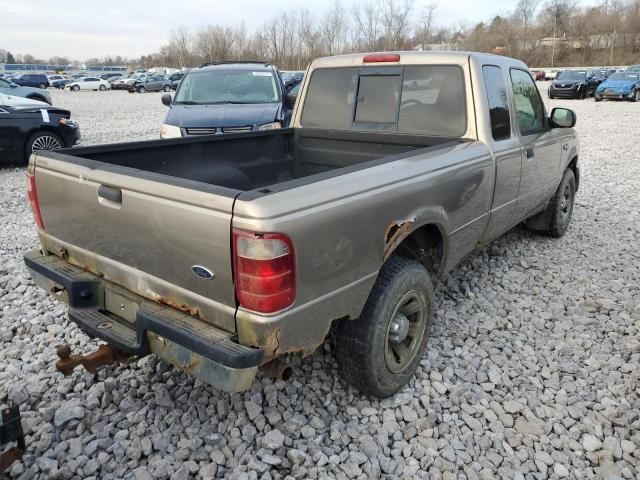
(222, 253)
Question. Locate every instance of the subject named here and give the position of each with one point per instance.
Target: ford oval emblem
(203, 272)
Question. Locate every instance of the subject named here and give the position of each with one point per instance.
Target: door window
(497, 99)
(528, 103)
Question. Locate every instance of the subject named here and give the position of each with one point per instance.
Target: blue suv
(32, 80)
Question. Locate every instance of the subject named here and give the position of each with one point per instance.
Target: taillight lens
(264, 267)
(32, 194)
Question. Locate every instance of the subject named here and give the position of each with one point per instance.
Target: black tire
(597, 98)
(75, 88)
(636, 96)
(364, 348)
(166, 88)
(102, 88)
(141, 89)
(562, 205)
(41, 140)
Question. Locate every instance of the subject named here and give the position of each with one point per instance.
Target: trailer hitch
(11, 432)
(104, 355)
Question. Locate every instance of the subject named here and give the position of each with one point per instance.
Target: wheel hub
(399, 328)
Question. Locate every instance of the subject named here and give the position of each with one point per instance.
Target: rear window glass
(417, 100)
(329, 103)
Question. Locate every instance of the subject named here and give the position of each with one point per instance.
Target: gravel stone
(591, 443)
(531, 371)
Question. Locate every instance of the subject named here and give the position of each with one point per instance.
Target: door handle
(112, 194)
(530, 153)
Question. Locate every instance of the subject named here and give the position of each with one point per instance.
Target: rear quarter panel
(338, 227)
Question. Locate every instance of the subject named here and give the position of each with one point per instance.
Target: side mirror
(563, 118)
(166, 99)
(290, 99)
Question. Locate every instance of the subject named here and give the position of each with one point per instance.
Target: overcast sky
(84, 29)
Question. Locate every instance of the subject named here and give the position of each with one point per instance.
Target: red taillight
(32, 194)
(264, 268)
(381, 57)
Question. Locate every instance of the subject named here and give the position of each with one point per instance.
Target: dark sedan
(27, 125)
(574, 84)
(175, 79)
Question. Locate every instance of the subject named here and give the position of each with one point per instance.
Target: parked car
(54, 78)
(151, 83)
(243, 249)
(633, 68)
(112, 80)
(620, 86)
(9, 88)
(32, 80)
(60, 84)
(538, 75)
(88, 83)
(109, 76)
(175, 79)
(127, 82)
(551, 74)
(574, 84)
(227, 98)
(29, 125)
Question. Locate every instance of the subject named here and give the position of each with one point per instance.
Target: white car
(13, 101)
(88, 83)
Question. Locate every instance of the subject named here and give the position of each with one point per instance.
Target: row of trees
(542, 33)
(555, 32)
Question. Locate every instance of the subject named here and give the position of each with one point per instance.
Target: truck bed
(247, 162)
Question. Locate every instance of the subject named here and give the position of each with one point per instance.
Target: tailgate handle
(112, 194)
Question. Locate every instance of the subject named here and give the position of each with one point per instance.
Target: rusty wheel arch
(426, 243)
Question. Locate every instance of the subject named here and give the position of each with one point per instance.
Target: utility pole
(553, 44)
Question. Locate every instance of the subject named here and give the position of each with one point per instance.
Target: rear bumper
(138, 326)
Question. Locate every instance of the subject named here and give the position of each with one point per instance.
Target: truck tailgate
(145, 232)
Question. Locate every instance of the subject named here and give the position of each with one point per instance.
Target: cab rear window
(418, 100)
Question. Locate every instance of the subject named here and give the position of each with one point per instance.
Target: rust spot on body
(188, 309)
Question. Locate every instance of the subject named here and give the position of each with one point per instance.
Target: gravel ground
(533, 369)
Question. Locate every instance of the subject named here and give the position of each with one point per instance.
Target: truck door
(541, 145)
(507, 150)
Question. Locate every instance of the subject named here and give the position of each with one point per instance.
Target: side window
(4, 83)
(529, 106)
(498, 105)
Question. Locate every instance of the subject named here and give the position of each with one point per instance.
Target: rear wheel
(102, 88)
(141, 89)
(42, 140)
(75, 88)
(167, 88)
(379, 352)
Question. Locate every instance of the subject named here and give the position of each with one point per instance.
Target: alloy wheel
(45, 142)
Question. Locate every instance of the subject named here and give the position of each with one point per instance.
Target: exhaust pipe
(278, 370)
